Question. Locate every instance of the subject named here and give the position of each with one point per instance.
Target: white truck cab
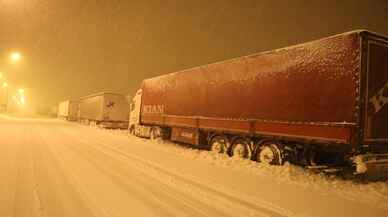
(134, 116)
(135, 127)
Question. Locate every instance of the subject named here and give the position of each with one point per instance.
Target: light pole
(14, 57)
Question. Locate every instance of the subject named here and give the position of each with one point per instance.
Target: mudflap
(372, 166)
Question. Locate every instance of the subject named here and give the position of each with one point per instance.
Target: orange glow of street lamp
(15, 56)
(5, 84)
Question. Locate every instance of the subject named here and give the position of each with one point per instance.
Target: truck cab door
(134, 116)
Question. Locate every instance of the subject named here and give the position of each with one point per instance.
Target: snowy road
(54, 168)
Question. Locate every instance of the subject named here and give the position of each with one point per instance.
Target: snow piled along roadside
(373, 193)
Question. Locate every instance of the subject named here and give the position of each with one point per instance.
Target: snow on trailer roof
(99, 94)
(70, 100)
(358, 31)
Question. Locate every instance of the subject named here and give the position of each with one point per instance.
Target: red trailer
(319, 103)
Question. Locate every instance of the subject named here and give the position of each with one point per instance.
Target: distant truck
(320, 104)
(109, 110)
(68, 110)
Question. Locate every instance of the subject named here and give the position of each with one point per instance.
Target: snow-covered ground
(55, 168)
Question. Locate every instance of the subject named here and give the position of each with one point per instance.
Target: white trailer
(109, 110)
(68, 110)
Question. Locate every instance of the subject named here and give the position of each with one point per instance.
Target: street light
(15, 56)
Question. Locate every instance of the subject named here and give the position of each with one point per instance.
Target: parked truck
(320, 104)
(109, 110)
(68, 110)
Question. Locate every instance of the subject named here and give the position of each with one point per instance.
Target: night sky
(74, 48)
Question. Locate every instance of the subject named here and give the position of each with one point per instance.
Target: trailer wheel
(219, 144)
(270, 154)
(240, 148)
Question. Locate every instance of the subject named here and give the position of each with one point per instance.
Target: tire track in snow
(58, 195)
(133, 186)
(60, 151)
(227, 199)
(25, 198)
(169, 196)
(211, 194)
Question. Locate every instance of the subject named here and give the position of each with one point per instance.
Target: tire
(132, 130)
(270, 154)
(154, 133)
(219, 144)
(240, 148)
(165, 133)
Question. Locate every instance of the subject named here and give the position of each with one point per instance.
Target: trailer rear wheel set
(267, 151)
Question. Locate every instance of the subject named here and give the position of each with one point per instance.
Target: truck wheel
(240, 148)
(219, 144)
(132, 130)
(269, 154)
(155, 133)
